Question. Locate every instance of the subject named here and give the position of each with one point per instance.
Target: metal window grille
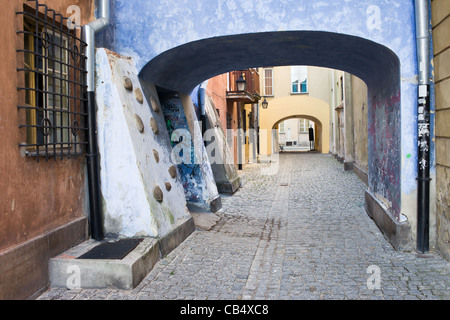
(53, 113)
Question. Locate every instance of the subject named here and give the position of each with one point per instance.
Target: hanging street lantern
(265, 104)
(241, 84)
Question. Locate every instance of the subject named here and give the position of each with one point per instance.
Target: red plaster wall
(34, 197)
(217, 90)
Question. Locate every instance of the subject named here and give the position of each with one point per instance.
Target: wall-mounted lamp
(265, 104)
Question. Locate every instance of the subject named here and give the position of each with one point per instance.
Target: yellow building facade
(294, 92)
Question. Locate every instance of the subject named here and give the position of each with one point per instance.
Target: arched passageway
(182, 68)
(318, 134)
(297, 106)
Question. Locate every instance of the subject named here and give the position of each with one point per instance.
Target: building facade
(298, 97)
(238, 111)
(440, 10)
(42, 166)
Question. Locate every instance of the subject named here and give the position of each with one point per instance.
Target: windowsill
(51, 152)
(299, 93)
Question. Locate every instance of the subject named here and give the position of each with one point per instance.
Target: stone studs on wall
(139, 123)
(127, 83)
(156, 155)
(173, 172)
(154, 126)
(158, 194)
(139, 96)
(154, 104)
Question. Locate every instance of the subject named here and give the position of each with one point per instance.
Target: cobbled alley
(297, 229)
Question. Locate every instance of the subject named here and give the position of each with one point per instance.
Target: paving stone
(309, 239)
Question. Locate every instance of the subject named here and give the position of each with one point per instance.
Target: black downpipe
(239, 137)
(96, 223)
(423, 179)
(201, 104)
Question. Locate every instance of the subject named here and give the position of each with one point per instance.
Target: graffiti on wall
(423, 118)
(190, 170)
(384, 149)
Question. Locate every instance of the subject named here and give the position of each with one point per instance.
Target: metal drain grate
(116, 250)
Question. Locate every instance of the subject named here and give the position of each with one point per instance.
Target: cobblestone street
(299, 231)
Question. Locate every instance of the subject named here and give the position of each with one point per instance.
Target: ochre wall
(35, 198)
(359, 105)
(441, 42)
(301, 106)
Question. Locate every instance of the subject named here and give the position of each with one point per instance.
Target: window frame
(266, 85)
(54, 85)
(282, 127)
(296, 75)
(304, 125)
(64, 101)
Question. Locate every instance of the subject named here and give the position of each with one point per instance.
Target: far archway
(318, 133)
(304, 107)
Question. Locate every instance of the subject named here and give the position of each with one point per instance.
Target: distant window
(299, 79)
(268, 82)
(281, 127)
(303, 125)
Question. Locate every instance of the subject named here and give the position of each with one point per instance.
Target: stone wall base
(362, 175)
(397, 233)
(228, 187)
(24, 269)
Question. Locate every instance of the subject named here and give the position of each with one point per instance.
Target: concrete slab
(204, 219)
(68, 271)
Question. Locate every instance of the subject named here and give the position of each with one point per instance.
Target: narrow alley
(297, 229)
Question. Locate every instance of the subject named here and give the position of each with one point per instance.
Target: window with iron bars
(53, 113)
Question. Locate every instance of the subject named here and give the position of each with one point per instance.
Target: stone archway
(318, 131)
(182, 68)
(178, 44)
(284, 108)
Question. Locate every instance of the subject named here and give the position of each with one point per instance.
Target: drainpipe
(201, 104)
(239, 135)
(333, 113)
(93, 167)
(423, 125)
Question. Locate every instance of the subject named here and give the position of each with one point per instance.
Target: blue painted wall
(179, 43)
(190, 171)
